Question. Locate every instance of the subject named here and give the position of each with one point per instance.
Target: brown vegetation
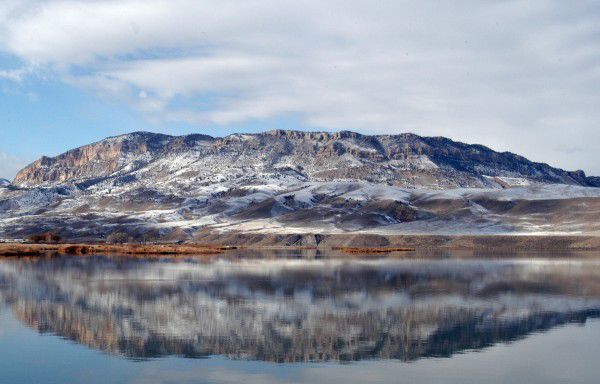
(343, 243)
(12, 249)
(46, 238)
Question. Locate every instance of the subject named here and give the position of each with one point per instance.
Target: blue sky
(517, 76)
(44, 116)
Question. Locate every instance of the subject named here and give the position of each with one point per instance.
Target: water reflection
(297, 310)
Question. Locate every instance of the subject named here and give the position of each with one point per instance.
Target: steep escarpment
(122, 153)
(405, 159)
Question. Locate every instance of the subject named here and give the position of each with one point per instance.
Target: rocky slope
(159, 187)
(404, 160)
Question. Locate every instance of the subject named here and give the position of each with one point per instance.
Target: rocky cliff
(405, 160)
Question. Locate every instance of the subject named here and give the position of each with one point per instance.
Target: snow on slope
(405, 160)
(286, 181)
(268, 203)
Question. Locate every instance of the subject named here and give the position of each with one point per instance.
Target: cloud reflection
(296, 311)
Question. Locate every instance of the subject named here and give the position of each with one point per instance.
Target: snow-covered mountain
(173, 187)
(405, 160)
(4, 182)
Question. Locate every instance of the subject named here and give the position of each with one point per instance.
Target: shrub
(46, 237)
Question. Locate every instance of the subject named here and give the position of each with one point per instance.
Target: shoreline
(500, 242)
(340, 244)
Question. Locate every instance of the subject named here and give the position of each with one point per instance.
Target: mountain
(155, 186)
(405, 160)
(4, 183)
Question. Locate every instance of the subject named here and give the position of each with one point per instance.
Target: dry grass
(16, 249)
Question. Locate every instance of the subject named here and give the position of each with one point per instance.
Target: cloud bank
(519, 76)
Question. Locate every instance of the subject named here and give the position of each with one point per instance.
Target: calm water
(125, 320)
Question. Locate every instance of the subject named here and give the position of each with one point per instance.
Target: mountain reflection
(296, 310)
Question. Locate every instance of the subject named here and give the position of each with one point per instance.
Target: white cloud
(13, 74)
(520, 76)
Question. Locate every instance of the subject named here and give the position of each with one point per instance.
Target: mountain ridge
(154, 187)
(443, 152)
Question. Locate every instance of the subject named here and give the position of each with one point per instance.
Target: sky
(519, 76)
